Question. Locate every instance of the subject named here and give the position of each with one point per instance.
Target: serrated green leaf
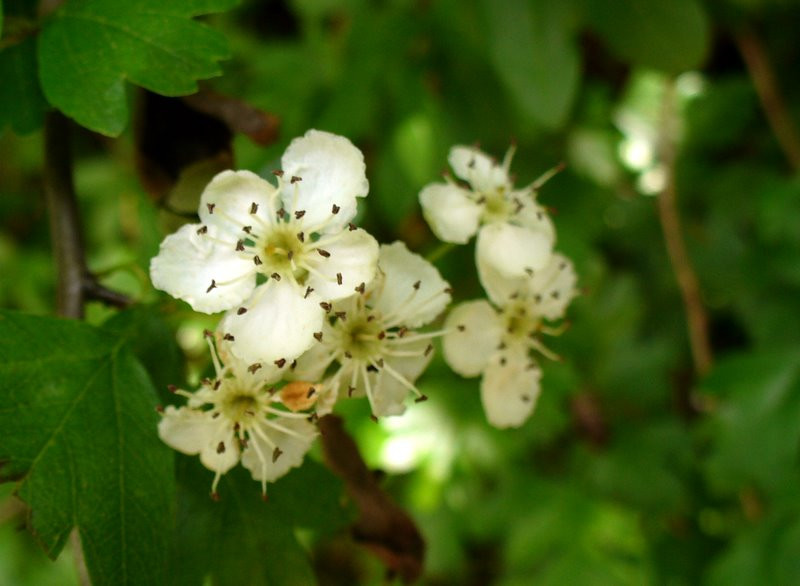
(22, 104)
(671, 36)
(239, 539)
(535, 55)
(91, 47)
(79, 431)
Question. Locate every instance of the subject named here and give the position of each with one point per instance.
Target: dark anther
(448, 290)
(206, 381)
(350, 390)
(253, 367)
(172, 388)
(525, 398)
(215, 415)
(299, 214)
(361, 288)
(539, 216)
(301, 237)
(247, 229)
(310, 392)
(280, 362)
(381, 335)
(372, 368)
(293, 365)
(461, 327)
(282, 213)
(529, 271)
(338, 278)
(374, 418)
(215, 497)
(241, 311)
(318, 336)
(429, 349)
(257, 260)
(502, 362)
(562, 265)
(253, 208)
(276, 276)
(276, 454)
(217, 383)
(370, 317)
(402, 332)
(236, 427)
(221, 448)
(228, 337)
(379, 362)
(335, 209)
(554, 294)
(308, 292)
(312, 418)
(347, 354)
(277, 173)
(351, 226)
(471, 164)
(421, 399)
(416, 285)
(290, 255)
(323, 252)
(211, 207)
(342, 315)
(159, 408)
(325, 305)
(208, 333)
(213, 285)
(502, 345)
(239, 245)
(202, 229)
(295, 179)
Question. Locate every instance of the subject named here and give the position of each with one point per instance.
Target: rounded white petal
(474, 334)
(511, 250)
(222, 452)
(279, 324)
(509, 389)
(293, 442)
(353, 254)
(477, 168)
(500, 288)
(533, 216)
(231, 200)
(450, 213)
(410, 288)
(332, 172)
(391, 387)
(188, 263)
(195, 432)
(553, 287)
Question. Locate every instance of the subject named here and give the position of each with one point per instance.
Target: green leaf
(22, 104)
(671, 36)
(243, 540)
(91, 47)
(79, 432)
(535, 56)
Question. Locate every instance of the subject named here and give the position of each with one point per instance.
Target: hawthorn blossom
(273, 254)
(496, 339)
(371, 338)
(238, 416)
(515, 234)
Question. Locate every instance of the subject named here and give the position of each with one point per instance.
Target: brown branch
(766, 84)
(676, 247)
(239, 116)
(382, 526)
(76, 284)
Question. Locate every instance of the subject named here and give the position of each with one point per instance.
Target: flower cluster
(315, 310)
(526, 281)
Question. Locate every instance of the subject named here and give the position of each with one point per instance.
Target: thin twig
(766, 84)
(676, 247)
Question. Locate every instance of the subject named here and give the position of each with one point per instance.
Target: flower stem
(440, 251)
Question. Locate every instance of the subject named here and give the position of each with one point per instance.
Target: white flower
(515, 234)
(237, 416)
(371, 337)
(295, 237)
(497, 343)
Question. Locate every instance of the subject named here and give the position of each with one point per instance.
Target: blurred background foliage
(634, 469)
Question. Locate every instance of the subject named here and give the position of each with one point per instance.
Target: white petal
(227, 202)
(187, 264)
(328, 395)
(467, 350)
(476, 167)
(222, 452)
(195, 432)
(450, 213)
(279, 324)
(353, 254)
(410, 288)
(499, 287)
(332, 172)
(312, 363)
(513, 250)
(533, 216)
(258, 455)
(389, 392)
(553, 287)
(509, 389)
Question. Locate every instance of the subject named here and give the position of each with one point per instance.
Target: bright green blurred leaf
(91, 47)
(22, 104)
(535, 55)
(671, 36)
(79, 429)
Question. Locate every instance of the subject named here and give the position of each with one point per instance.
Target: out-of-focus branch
(673, 237)
(766, 84)
(383, 527)
(76, 284)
